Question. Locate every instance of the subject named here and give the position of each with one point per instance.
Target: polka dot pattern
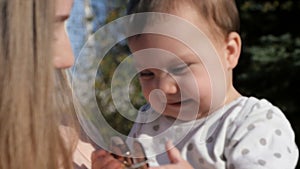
(250, 127)
(270, 115)
(277, 155)
(289, 150)
(245, 151)
(263, 141)
(156, 127)
(190, 147)
(201, 160)
(278, 132)
(262, 162)
(231, 124)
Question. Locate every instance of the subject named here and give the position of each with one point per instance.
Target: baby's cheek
(146, 95)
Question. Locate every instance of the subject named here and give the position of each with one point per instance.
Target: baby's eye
(179, 69)
(146, 74)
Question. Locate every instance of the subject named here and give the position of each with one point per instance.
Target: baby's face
(172, 76)
(174, 79)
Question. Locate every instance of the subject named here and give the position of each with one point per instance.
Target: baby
(191, 97)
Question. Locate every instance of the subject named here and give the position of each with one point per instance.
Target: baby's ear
(233, 49)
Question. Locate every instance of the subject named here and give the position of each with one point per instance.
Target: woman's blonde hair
(33, 94)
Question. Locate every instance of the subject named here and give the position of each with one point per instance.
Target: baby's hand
(177, 162)
(102, 159)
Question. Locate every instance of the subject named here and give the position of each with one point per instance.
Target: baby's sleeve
(263, 139)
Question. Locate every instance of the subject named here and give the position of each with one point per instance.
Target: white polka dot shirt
(245, 134)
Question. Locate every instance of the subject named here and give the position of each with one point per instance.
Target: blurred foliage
(103, 83)
(272, 71)
(269, 65)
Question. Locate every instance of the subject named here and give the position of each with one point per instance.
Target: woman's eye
(146, 74)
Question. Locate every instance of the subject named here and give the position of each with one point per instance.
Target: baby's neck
(231, 95)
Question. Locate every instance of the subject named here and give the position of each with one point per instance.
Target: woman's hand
(102, 159)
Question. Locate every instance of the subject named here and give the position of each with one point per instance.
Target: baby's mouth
(182, 102)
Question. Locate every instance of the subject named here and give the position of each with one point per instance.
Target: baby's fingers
(173, 153)
(98, 153)
(177, 162)
(103, 160)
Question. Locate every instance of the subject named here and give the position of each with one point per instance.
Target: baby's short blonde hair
(221, 14)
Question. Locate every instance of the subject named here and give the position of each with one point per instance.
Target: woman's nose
(63, 54)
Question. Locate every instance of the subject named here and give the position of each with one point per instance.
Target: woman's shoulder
(81, 145)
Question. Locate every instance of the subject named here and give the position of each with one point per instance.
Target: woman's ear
(233, 49)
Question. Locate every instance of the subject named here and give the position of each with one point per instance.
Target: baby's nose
(168, 84)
